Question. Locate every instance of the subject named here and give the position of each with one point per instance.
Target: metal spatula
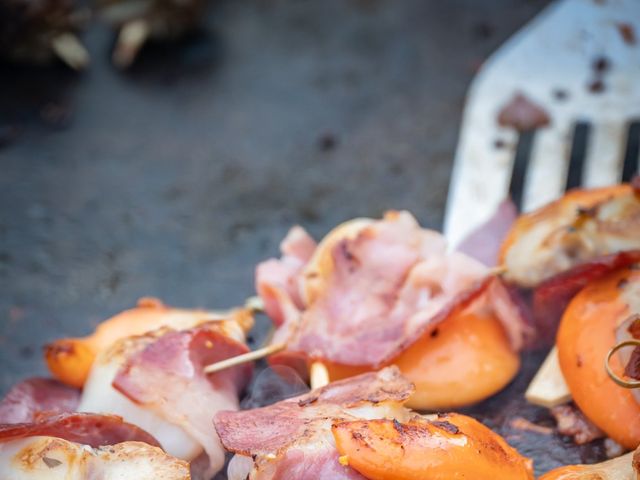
(579, 63)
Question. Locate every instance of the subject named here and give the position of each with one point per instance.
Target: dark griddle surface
(174, 179)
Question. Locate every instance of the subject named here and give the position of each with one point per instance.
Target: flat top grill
(176, 178)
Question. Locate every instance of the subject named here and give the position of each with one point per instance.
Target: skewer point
(244, 358)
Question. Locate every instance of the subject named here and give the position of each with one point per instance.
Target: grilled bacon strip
(157, 381)
(358, 429)
(85, 428)
(292, 438)
(29, 398)
(70, 359)
(381, 283)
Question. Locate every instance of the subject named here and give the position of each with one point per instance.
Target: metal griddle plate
(176, 178)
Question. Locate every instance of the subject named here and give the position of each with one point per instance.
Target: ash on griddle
(627, 32)
(327, 142)
(573, 423)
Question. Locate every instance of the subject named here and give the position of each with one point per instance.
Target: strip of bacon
(86, 428)
(550, 298)
(381, 284)
(278, 281)
(292, 439)
(35, 395)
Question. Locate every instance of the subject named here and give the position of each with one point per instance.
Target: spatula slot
(632, 152)
(520, 164)
(577, 155)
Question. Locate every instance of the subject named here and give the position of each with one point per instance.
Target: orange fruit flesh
(586, 333)
(70, 359)
(452, 447)
(466, 359)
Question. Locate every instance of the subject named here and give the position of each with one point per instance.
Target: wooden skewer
(244, 358)
(319, 375)
(70, 50)
(131, 38)
(498, 270)
(255, 304)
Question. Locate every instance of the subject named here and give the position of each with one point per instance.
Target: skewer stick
(131, 38)
(70, 50)
(255, 304)
(498, 270)
(244, 358)
(319, 375)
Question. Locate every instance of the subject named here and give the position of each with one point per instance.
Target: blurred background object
(38, 31)
(555, 108)
(140, 20)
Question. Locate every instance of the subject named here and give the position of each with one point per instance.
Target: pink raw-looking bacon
(484, 243)
(390, 282)
(30, 397)
(163, 372)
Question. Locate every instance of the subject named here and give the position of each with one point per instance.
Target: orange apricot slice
(70, 359)
(464, 361)
(587, 332)
(450, 447)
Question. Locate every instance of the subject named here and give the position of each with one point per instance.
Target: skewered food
(372, 293)
(78, 446)
(157, 381)
(577, 256)
(27, 399)
(70, 359)
(52, 458)
(146, 365)
(587, 332)
(558, 249)
(581, 226)
(358, 429)
(391, 285)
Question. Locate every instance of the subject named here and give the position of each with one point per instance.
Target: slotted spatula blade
(579, 62)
